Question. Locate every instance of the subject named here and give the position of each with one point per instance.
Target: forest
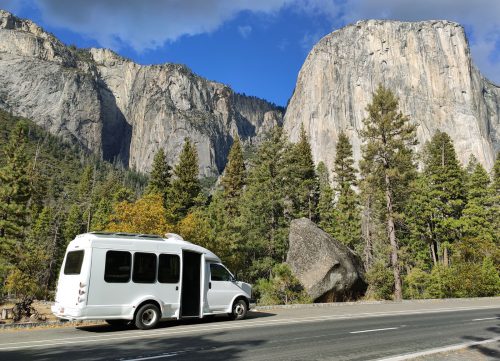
(425, 225)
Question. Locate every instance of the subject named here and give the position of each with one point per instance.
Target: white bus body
(121, 277)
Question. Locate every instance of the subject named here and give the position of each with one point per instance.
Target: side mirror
(232, 278)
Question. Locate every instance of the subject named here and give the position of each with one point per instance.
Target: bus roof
(137, 240)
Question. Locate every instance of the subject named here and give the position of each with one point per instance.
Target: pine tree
(234, 179)
(440, 198)
(159, 178)
(476, 224)
(45, 239)
(388, 159)
(73, 224)
(14, 192)
(344, 171)
(264, 224)
(347, 210)
(495, 194)
(302, 177)
(325, 202)
(185, 188)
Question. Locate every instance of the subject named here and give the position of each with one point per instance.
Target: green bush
(380, 282)
(282, 288)
(416, 283)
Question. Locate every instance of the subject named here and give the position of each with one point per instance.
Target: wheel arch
(146, 300)
(237, 298)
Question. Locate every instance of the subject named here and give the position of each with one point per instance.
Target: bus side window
(168, 268)
(144, 268)
(118, 265)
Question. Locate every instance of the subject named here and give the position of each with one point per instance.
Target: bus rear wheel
(147, 317)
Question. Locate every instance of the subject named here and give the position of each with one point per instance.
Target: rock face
(328, 270)
(119, 109)
(428, 66)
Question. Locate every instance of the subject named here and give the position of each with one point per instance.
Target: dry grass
(43, 308)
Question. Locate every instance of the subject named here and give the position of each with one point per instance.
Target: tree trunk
(367, 234)
(433, 253)
(391, 231)
(445, 256)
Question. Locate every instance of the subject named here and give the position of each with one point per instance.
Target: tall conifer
(185, 186)
(234, 179)
(347, 210)
(14, 191)
(302, 179)
(159, 177)
(388, 159)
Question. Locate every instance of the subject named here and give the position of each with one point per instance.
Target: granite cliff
(119, 109)
(427, 64)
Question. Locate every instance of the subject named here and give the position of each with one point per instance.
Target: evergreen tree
(264, 224)
(325, 202)
(344, 171)
(304, 185)
(159, 178)
(495, 194)
(45, 239)
(388, 160)
(14, 192)
(73, 224)
(185, 188)
(476, 224)
(347, 210)
(440, 198)
(234, 179)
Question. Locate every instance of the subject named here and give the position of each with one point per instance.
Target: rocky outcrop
(119, 109)
(427, 64)
(328, 270)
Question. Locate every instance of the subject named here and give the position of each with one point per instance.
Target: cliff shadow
(116, 133)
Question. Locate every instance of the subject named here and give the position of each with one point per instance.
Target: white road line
(487, 318)
(125, 335)
(171, 354)
(375, 330)
(432, 351)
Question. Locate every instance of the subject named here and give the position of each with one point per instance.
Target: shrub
(282, 288)
(380, 282)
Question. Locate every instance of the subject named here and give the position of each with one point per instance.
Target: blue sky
(255, 46)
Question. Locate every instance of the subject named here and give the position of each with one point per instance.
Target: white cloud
(144, 24)
(147, 24)
(245, 30)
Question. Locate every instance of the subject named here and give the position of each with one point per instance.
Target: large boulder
(328, 270)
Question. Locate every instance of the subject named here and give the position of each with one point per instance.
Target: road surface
(342, 332)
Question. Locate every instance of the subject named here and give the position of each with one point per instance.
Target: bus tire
(240, 309)
(147, 317)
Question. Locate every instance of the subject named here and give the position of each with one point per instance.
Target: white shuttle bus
(141, 279)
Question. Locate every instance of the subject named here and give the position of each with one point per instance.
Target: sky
(255, 46)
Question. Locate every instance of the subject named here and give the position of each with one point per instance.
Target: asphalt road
(348, 332)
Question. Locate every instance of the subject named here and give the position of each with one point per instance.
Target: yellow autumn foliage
(196, 229)
(146, 215)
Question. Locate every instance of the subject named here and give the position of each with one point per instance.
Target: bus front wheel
(240, 310)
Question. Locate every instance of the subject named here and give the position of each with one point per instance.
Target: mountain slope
(119, 109)
(427, 64)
